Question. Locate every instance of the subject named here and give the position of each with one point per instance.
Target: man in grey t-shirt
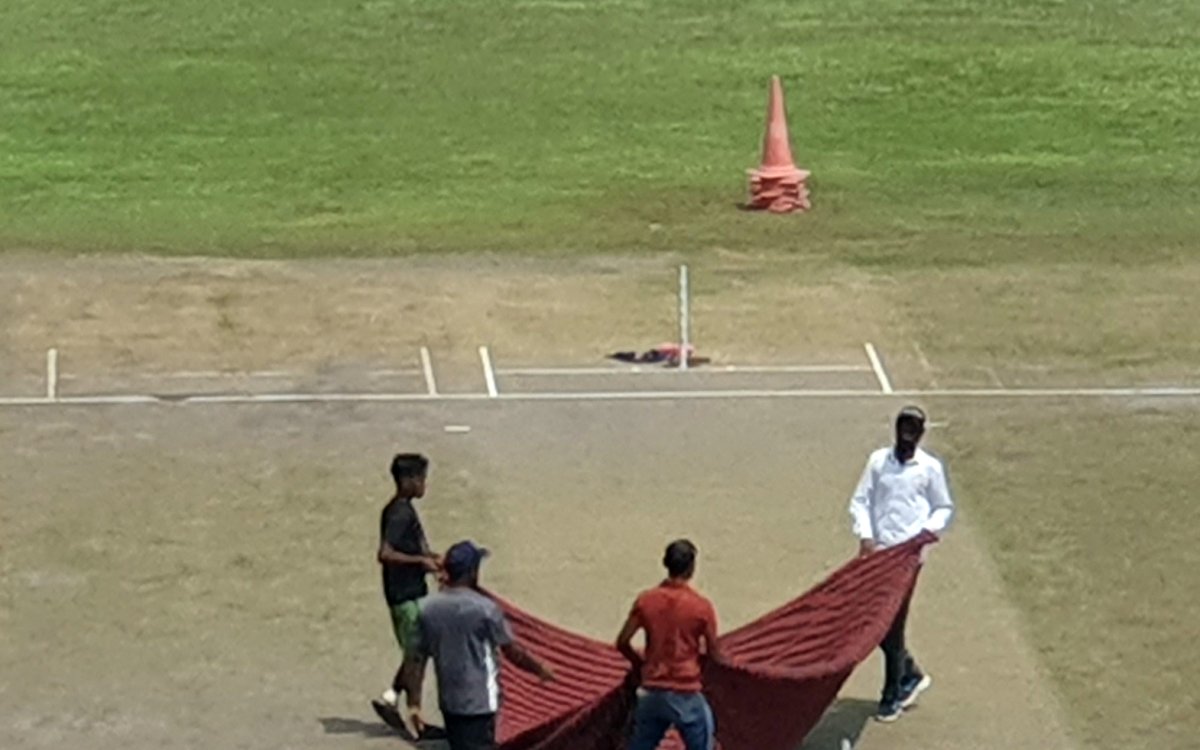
(464, 632)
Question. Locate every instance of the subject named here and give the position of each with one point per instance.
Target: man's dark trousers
(471, 732)
(899, 666)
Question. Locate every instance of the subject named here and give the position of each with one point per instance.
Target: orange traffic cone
(777, 185)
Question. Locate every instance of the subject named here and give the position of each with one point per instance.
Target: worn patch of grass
(1088, 508)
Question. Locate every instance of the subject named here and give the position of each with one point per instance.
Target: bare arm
(625, 640)
(389, 555)
(525, 661)
(711, 644)
(502, 636)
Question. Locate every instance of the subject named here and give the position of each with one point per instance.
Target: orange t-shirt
(675, 617)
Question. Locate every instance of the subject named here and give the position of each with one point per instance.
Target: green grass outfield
(963, 130)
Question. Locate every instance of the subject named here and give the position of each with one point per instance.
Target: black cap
(462, 559)
(911, 414)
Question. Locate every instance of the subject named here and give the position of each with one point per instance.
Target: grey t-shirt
(462, 631)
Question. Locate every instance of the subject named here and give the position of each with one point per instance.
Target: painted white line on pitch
(427, 368)
(489, 374)
(795, 368)
(685, 325)
(188, 374)
(687, 395)
(236, 374)
(200, 374)
(457, 429)
(26, 401)
(1130, 392)
(80, 401)
(966, 393)
(316, 398)
(885, 383)
(696, 369)
(51, 374)
(578, 371)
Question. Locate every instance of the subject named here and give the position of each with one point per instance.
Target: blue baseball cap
(463, 558)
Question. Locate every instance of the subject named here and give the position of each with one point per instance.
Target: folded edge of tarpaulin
(782, 670)
(592, 692)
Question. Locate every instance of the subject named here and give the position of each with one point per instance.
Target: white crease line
(885, 383)
(310, 398)
(196, 374)
(687, 395)
(696, 369)
(578, 371)
(1132, 392)
(796, 368)
(317, 398)
(427, 367)
(233, 374)
(968, 393)
(489, 374)
(51, 374)
(80, 401)
(26, 401)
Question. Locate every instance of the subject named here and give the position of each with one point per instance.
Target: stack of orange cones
(777, 185)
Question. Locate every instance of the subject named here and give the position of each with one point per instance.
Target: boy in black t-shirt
(406, 559)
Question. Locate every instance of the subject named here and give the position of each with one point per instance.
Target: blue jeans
(659, 710)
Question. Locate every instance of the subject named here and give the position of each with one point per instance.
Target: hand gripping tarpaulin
(780, 672)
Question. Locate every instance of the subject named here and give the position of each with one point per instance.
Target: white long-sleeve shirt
(894, 502)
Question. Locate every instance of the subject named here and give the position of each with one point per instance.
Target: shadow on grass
(844, 720)
(375, 729)
(340, 725)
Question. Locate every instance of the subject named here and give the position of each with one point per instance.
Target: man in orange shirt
(677, 620)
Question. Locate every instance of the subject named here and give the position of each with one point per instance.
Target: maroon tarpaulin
(781, 671)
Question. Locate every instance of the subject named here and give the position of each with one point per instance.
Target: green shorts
(405, 623)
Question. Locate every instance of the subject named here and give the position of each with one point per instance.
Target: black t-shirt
(400, 527)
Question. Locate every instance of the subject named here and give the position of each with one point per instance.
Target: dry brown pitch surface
(186, 575)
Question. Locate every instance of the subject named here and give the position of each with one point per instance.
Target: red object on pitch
(777, 185)
(781, 671)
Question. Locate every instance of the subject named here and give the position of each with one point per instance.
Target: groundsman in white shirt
(902, 492)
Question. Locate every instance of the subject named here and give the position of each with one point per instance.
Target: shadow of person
(374, 729)
(844, 720)
(340, 725)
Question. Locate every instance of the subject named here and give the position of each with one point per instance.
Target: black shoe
(888, 711)
(431, 732)
(391, 717)
(911, 689)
